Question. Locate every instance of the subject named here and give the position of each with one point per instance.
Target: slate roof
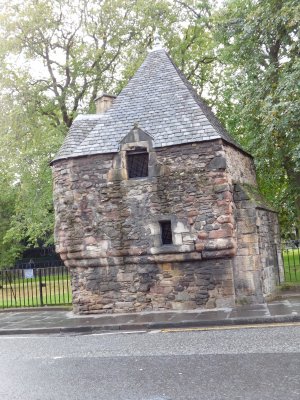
(163, 103)
(79, 130)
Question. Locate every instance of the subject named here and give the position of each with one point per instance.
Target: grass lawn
(291, 262)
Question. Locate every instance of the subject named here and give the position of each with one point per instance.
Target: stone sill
(136, 181)
(171, 249)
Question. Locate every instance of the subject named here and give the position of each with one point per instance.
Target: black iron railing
(291, 260)
(34, 287)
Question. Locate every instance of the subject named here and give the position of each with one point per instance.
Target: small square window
(137, 165)
(166, 232)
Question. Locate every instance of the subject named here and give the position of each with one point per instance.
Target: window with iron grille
(166, 232)
(137, 164)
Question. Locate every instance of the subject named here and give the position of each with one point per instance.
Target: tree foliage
(259, 48)
(56, 56)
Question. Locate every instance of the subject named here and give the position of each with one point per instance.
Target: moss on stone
(256, 197)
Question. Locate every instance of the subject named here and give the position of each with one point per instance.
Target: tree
(259, 93)
(55, 58)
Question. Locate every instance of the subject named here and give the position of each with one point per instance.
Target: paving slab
(157, 317)
(280, 308)
(46, 321)
(249, 314)
(294, 300)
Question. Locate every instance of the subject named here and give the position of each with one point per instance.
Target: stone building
(157, 206)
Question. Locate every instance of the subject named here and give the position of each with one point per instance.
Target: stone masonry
(225, 240)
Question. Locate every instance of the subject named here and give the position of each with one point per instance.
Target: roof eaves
(76, 135)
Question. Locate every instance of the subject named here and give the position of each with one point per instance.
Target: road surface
(259, 363)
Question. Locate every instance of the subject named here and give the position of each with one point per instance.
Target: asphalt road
(260, 363)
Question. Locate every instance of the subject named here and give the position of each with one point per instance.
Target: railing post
(41, 286)
(277, 263)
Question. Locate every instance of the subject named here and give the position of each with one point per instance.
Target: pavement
(48, 320)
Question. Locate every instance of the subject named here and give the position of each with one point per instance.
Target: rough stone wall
(246, 264)
(270, 250)
(107, 228)
(254, 277)
(257, 265)
(247, 267)
(240, 166)
(152, 286)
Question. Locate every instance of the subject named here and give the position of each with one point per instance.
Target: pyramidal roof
(160, 100)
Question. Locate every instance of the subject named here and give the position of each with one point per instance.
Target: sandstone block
(221, 188)
(223, 219)
(202, 235)
(90, 240)
(188, 238)
(108, 306)
(218, 253)
(125, 276)
(221, 233)
(217, 163)
(180, 228)
(199, 246)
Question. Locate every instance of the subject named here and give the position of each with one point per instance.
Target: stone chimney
(104, 102)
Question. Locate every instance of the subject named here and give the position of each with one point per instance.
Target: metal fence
(28, 286)
(291, 260)
(34, 287)
(36, 264)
